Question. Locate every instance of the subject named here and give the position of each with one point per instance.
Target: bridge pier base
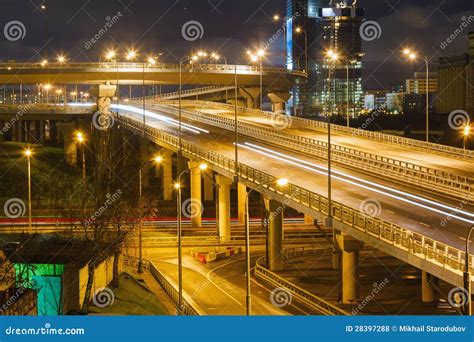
(241, 197)
(196, 206)
(252, 96)
(275, 236)
(224, 184)
(428, 291)
(279, 100)
(350, 268)
(167, 175)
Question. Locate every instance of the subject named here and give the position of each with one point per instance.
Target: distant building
(375, 99)
(340, 32)
(456, 81)
(325, 24)
(415, 104)
(395, 103)
(418, 84)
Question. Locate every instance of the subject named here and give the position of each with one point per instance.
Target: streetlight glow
(28, 152)
(282, 182)
(80, 137)
(203, 167)
(110, 54)
(177, 186)
(276, 17)
(158, 159)
(131, 55)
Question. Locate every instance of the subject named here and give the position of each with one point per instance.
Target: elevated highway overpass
(139, 73)
(423, 227)
(408, 227)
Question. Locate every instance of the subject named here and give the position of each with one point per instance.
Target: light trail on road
(365, 184)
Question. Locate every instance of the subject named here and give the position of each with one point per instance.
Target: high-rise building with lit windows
(326, 25)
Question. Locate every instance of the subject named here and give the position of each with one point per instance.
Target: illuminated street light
(177, 186)
(61, 59)
(157, 160)
(131, 55)
(412, 56)
(28, 153)
(258, 57)
(44, 62)
(466, 132)
(110, 55)
(333, 57)
(276, 17)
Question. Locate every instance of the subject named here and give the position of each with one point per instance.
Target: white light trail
(317, 169)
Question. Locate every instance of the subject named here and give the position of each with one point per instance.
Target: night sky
(230, 26)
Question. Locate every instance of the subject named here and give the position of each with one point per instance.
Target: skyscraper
(303, 42)
(326, 25)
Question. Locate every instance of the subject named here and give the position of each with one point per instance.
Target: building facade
(418, 84)
(325, 25)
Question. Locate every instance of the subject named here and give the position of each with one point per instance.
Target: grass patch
(132, 299)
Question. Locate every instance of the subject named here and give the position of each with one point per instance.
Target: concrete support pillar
(224, 207)
(15, 128)
(145, 162)
(241, 197)
(21, 131)
(428, 291)
(27, 131)
(66, 130)
(350, 268)
(196, 200)
(275, 244)
(167, 175)
(42, 131)
(37, 131)
(208, 188)
(53, 131)
(252, 96)
(279, 100)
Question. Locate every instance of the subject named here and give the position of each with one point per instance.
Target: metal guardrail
(449, 258)
(297, 292)
(27, 108)
(448, 151)
(397, 170)
(165, 284)
(184, 93)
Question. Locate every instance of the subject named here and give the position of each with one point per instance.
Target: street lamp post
(299, 30)
(333, 57)
(28, 154)
(80, 138)
(467, 275)
(258, 56)
(280, 182)
(178, 187)
(412, 56)
(156, 160)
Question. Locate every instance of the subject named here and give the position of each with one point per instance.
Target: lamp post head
(28, 153)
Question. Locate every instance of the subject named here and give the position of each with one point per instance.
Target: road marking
(424, 224)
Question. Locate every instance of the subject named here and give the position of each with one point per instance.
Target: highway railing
(169, 288)
(397, 170)
(448, 151)
(184, 93)
(449, 258)
(306, 297)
